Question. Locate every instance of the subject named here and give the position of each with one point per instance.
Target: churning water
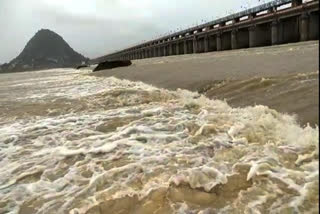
(74, 143)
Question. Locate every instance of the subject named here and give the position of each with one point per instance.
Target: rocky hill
(45, 50)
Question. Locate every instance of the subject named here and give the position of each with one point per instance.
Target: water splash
(115, 146)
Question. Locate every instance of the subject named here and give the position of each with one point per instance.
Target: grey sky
(96, 27)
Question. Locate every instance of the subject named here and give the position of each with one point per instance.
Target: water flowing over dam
(74, 143)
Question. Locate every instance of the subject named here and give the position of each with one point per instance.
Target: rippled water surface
(73, 143)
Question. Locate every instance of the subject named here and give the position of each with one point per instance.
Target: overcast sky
(97, 27)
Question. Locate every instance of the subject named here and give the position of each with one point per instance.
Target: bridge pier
(149, 52)
(154, 52)
(274, 32)
(185, 47)
(170, 49)
(206, 43)
(252, 36)
(212, 40)
(304, 25)
(195, 45)
(181, 47)
(234, 39)
(174, 48)
(219, 43)
(146, 53)
(200, 44)
(177, 48)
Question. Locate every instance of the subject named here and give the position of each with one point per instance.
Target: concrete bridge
(276, 22)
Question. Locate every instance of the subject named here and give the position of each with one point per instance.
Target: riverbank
(284, 78)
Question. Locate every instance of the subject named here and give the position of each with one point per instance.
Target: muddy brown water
(75, 143)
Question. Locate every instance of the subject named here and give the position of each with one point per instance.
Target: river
(80, 144)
